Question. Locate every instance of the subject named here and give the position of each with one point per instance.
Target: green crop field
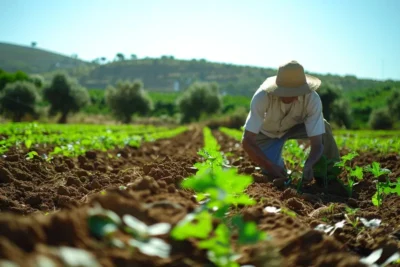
(144, 192)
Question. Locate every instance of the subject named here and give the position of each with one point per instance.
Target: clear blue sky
(357, 37)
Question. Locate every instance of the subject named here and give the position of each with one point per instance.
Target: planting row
(362, 226)
(73, 140)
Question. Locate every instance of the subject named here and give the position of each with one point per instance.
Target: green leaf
(101, 226)
(219, 243)
(31, 154)
(357, 172)
(232, 182)
(349, 156)
(376, 170)
(28, 143)
(248, 232)
(375, 199)
(193, 225)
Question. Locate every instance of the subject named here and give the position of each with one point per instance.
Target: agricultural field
(88, 195)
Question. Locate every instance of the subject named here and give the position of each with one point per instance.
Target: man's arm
(317, 149)
(255, 153)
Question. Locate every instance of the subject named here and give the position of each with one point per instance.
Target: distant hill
(34, 60)
(169, 74)
(164, 74)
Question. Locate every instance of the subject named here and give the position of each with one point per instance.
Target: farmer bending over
(286, 106)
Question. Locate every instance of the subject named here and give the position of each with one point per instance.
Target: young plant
(31, 155)
(354, 223)
(382, 187)
(351, 211)
(352, 173)
(219, 190)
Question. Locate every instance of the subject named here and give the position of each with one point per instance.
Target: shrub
(380, 119)
(329, 93)
(235, 119)
(65, 96)
(37, 80)
(199, 99)
(128, 98)
(6, 78)
(19, 98)
(341, 113)
(393, 103)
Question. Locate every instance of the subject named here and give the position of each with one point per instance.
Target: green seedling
(331, 208)
(31, 154)
(75, 140)
(354, 223)
(353, 173)
(219, 190)
(288, 212)
(382, 187)
(351, 211)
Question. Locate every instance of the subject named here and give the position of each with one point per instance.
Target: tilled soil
(35, 185)
(54, 199)
(295, 237)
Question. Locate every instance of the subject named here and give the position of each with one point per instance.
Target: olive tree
(18, 99)
(380, 119)
(199, 99)
(65, 96)
(128, 98)
(393, 103)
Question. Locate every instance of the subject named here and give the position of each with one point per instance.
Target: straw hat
(291, 81)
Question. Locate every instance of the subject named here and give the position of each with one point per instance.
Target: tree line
(21, 95)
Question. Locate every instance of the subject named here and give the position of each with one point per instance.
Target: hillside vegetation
(34, 60)
(165, 74)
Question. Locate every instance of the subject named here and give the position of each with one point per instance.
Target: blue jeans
(272, 147)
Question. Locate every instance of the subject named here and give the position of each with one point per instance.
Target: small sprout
(288, 212)
(103, 192)
(122, 187)
(350, 221)
(351, 211)
(374, 223)
(31, 155)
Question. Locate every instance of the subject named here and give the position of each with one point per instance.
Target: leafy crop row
(295, 156)
(75, 140)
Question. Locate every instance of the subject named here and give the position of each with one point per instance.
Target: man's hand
(250, 146)
(316, 152)
(308, 173)
(276, 171)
